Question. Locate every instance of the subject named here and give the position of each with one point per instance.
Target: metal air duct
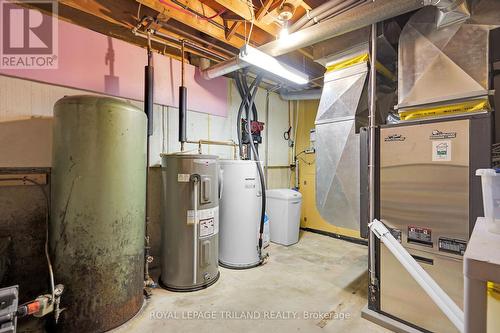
(451, 11)
(342, 111)
(301, 95)
(437, 65)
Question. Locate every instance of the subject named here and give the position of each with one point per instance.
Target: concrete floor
(317, 285)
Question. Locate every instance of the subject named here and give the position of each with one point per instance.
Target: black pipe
(148, 91)
(248, 102)
(244, 103)
(246, 89)
(182, 113)
(148, 109)
(257, 161)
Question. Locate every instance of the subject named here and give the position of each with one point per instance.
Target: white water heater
(239, 214)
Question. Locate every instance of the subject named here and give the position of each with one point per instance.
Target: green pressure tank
(98, 193)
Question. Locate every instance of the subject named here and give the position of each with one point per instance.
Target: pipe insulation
(334, 11)
(182, 113)
(148, 91)
(442, 300)
(311, 15)
(182, 102)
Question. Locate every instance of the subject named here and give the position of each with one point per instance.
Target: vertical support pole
(371, 157)
(149, 88)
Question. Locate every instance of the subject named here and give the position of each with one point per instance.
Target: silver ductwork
(301, 95)
(223, 68)
(342, 111)
(439, 65)
(350, 20)
(451, 11)
(353, 19)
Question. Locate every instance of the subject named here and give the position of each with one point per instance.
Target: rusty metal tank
(97, 210)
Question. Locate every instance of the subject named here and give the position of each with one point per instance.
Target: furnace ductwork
(440, 65)
(358, 17)
(342, 111)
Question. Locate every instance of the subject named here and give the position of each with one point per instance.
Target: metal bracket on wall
(5, 179)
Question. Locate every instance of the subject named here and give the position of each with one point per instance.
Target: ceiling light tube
(268, 63)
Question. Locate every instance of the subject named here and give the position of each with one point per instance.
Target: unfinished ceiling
(212, 29)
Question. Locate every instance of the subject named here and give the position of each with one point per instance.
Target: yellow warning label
(494, 290)
(445, 110)
(365, 57)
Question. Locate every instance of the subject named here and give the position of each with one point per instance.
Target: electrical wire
(251, 26)
(47, 212)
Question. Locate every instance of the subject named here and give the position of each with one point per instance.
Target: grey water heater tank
(97, 214)
(190, 221)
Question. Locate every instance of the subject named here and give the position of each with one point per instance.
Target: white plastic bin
(283, 207)
(490, 181)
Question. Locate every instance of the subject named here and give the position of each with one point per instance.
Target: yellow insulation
(365, 57)
(445, 110)
(494, 290)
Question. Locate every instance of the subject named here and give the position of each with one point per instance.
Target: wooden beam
(275, 5)
(230, 32)
(208, 28)
(238, 7)
(247, 12)
(304, 5)
(122, 23)
(263, 10)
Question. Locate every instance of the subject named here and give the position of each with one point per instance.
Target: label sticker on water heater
(441, 151)
(207, 227)
(183, 177)
(249, 183)
(208, 221)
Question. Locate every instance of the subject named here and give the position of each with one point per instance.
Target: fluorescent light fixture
(268, 63)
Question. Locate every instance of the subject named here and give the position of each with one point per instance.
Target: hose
(248, 102)
(245, 90)
(259, 168)
(238, 118)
